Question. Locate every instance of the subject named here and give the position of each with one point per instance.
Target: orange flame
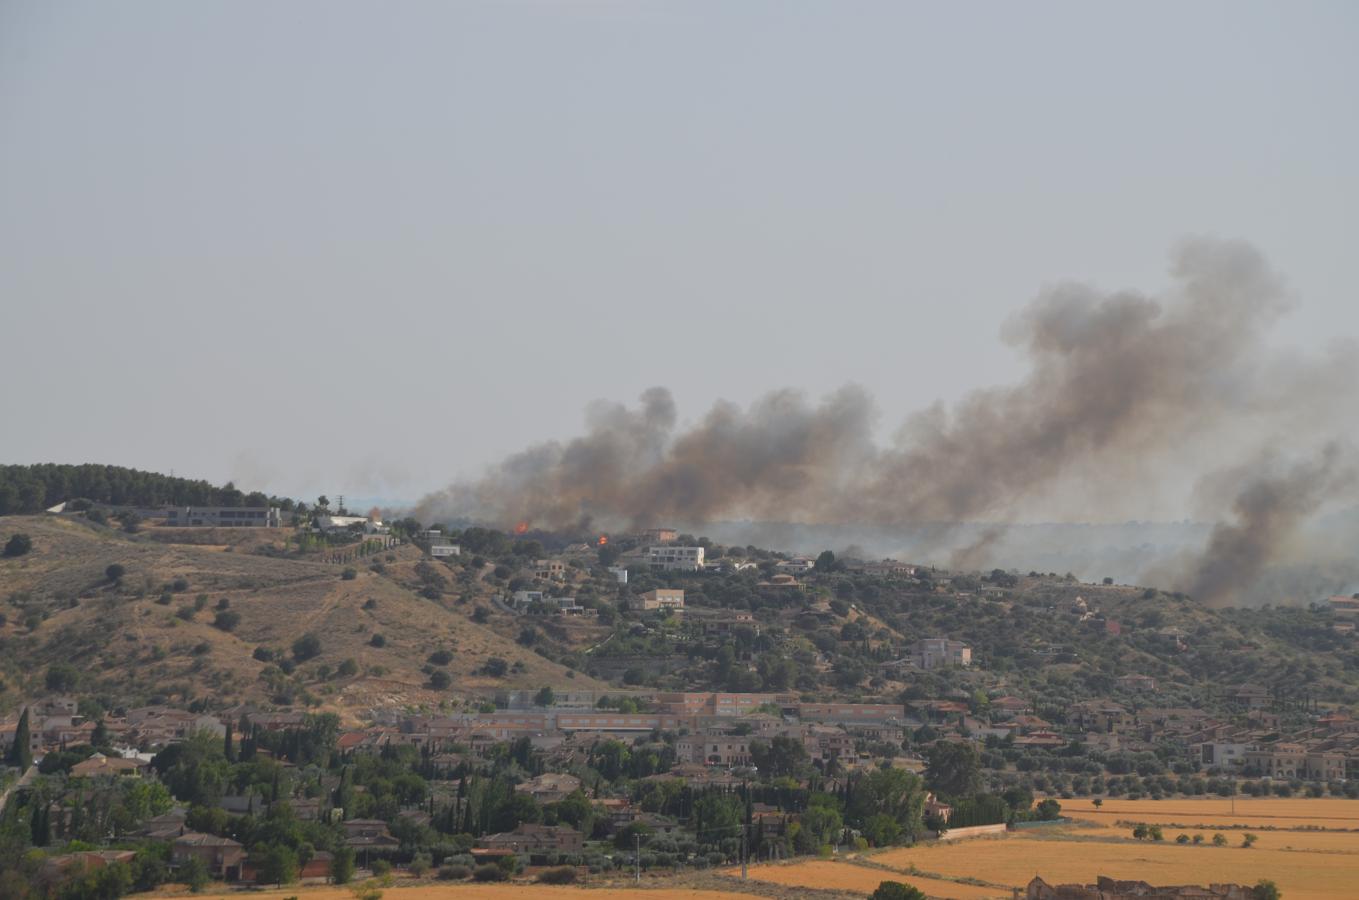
(520, 527)
(603, 539)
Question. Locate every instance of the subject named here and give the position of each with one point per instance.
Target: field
(1272, 812)
(479, 892)
(1291, 849)
(847, 876)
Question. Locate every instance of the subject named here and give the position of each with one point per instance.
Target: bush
(180, 585)
(306, 647)
(263, 654)
(453, 872)
(895, 890)
(62, 678)
(349, 574)
(441, 657)
(420, 864)
(490, 872)
(559, 875)
(1219, 840)
(18, 545)
(226, 620)
(495, 667)
(440, 680)
(115, 573)
(377, 640)
(347, 669)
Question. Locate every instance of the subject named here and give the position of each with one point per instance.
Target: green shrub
(559, 875)
(18, 545)
(490, 872)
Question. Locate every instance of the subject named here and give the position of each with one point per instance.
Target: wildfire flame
(520, 527)
(603, 539)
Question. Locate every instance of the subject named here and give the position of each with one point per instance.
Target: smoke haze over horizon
(1126, 396)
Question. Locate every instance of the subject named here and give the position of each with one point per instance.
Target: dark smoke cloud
(1272, 504)
(1118, 385)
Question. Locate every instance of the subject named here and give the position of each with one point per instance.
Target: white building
(620, 574)
(676, 559)
(441, 547)
(663, 598)
(934, 653)
(329, 523)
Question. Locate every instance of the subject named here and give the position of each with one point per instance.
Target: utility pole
(744, 855)
(638, 856)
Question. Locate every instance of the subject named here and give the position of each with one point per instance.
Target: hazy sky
(365, 248)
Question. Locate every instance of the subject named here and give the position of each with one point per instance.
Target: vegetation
(31, 489)
(18, 545)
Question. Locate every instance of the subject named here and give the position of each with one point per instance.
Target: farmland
(1302, 845)
(1275, 812)
(482, 892)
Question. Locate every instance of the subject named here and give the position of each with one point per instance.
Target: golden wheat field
(846, 876)
(478, 892)
(1271, 812)
(1302, 874)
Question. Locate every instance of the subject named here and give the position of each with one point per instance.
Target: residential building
(1139, 683)
(221, 855)
(550, 569)
(934, 653)
(1344, 606)
(441, 547)
(714, 749)
(619, 573)
(100, 765)
(223, 516)
(536, 839)
(1221, 754)
(676, 559)
(1251, 696)
(663, 598)
(550, 787)
(660, 535)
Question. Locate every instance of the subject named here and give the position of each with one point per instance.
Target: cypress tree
(228, 750)
(20, 753)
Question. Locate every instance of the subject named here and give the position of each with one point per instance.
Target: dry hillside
(150, 636)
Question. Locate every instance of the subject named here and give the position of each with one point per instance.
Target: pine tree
(20, 753)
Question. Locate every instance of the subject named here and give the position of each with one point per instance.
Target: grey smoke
(1122, 390)
(1268, 511)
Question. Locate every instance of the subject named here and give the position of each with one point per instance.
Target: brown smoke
(1270, 507)
(1119, 384)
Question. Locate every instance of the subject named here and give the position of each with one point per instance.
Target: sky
(368, 248)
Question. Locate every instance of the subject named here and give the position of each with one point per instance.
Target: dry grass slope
(133, 648)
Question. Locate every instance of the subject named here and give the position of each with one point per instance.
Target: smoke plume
(1270, 507)
(1123, 389)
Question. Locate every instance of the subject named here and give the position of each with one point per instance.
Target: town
(713, 705)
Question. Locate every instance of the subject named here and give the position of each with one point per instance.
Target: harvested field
(1302, 874)
(847, 876)
(467, 891)
(1270, 812)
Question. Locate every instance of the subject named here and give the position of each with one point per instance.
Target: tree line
(31, 489)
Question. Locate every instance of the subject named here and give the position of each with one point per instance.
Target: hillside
(150, 636)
